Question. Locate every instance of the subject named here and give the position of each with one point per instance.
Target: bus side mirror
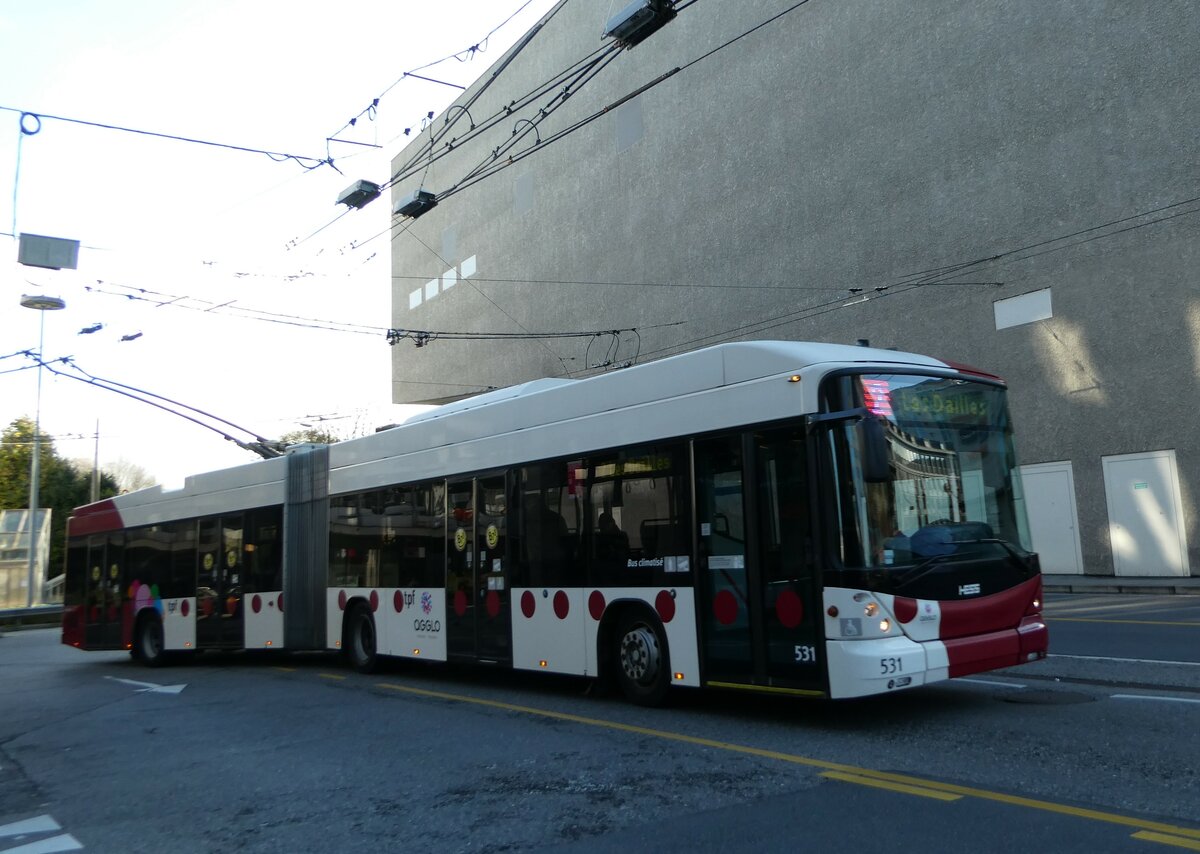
(873, 441)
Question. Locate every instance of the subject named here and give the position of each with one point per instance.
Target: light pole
(42, 304)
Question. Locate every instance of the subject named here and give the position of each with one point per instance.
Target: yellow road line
(1127, 622)
(894, 787)
(285, 669)
(337, 676)
(982, 794)
(1189, 844)
(767, 689)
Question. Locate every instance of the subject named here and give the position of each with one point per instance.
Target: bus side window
(546, 546)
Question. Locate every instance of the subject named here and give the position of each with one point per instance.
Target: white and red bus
(814, 519)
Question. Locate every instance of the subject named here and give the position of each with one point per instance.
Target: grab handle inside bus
(872, 439)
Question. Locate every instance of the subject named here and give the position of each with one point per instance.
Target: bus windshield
(951, 493)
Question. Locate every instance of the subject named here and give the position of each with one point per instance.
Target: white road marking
(149, 687)
(990, 682)
(1127, 660)
(18, 830)
(65, 842)
(41, 824)
(1152, 697)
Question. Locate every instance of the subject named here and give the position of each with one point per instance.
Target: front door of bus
(219, 617)
(478, 621)
(104, 600)
(758, 593)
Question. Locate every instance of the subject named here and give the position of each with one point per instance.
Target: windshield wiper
(922, 569)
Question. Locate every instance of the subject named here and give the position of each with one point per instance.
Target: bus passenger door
(478, 621)
(792, 618)
(759, 604)
(729, 612)
(102, 627)
(219, 617)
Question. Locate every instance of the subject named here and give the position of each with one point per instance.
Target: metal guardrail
(42, 615)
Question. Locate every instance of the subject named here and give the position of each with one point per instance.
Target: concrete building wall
(953, 155)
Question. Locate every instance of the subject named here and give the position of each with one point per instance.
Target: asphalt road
(295, 753)
(1157, 628)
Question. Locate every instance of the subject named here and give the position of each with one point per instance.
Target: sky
(227, 265)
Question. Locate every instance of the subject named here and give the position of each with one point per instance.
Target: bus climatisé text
(814, 519)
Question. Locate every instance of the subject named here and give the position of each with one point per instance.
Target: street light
(41, 304)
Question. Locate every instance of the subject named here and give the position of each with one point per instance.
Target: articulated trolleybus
(813, 519)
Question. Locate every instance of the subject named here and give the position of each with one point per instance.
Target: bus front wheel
(641, 660)
(359, 644)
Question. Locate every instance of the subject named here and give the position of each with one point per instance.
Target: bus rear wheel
(359, 644)
(641, 660)
(148, 646)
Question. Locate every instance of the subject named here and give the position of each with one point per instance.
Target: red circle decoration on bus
(596, 605)
(374, 601)
(460, 602)
(562, 605)
(185, 607)
(280, 603)
(256, 603)
(492, 603)
(725, 607)
(398, 601)
(528, 604)
(664, 603)
(342, 600)
(789, 609)
(904, 608)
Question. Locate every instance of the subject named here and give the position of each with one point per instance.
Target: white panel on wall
(468, 267)
(1053, 516)
(414, 298)
(1026, 308)
(431, 289)
(449, 279)
(1145, 514)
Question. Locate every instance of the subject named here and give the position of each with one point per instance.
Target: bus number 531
(806, 654)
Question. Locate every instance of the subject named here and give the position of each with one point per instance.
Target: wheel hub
(639, 654)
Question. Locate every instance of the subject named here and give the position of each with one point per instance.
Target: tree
(309, 434)
(62, 488)
(129, 476)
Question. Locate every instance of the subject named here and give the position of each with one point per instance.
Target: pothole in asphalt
(1047, 698)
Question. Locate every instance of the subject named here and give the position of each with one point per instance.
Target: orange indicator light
(269, 643)
(794, 378)
(678, 677)
(542, 663)
(187, 643)
(416, 652)
(338, 644)
(129, 646)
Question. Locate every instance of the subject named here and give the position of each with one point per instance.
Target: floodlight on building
(414, 204)
(51, 253)
(359, 194)
(638, 20)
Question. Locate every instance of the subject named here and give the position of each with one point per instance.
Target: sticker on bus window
(493, 536)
